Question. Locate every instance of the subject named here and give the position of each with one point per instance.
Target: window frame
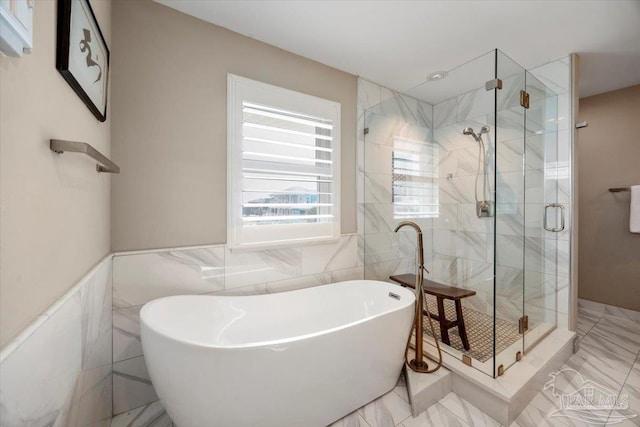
(431, 176)
(240, 90)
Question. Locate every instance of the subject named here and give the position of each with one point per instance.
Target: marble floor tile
(545, 401)
(436, 416)
(150, 415)
(607, 369)
(615, 335)
(627, 417)
(634, 375)
(534, 417)
(625, 423)
(564, 382)
(595, 307)
(401, 388)
(466, 411)
(622, 313)
(354, 419)
(630, 391)
(586, 320)
(386, 411)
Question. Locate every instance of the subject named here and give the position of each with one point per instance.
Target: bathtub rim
(280, 341)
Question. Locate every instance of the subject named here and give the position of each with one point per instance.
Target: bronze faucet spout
(420, 244)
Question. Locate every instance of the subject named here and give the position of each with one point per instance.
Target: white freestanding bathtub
(299, 358)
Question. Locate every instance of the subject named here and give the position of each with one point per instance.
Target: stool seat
(441, 292)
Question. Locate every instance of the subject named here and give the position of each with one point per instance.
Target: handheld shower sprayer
(469, 131)
(484, 207)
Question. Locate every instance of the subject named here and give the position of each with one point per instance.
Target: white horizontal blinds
(415, 173)
(287, 167)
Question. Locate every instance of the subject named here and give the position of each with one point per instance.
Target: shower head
(478, 136)
(468, 131)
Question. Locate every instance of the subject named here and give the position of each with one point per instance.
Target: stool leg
(444, 332)
(461, 329)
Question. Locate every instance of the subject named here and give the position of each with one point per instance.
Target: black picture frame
(63, 55)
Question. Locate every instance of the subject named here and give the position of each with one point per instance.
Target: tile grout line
(592, 326)
(129, 358)
(606, 350)
(636, 360)
(401, 423)
(464, 422)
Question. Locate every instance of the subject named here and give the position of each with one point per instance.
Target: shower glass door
(544, 214)
(509, 136)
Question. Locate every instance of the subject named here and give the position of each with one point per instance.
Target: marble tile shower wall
(139, 277)
(58, 371)
(390, 118)
(463, 243)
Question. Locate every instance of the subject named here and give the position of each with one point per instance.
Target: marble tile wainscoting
(139, 277)
(57, 372)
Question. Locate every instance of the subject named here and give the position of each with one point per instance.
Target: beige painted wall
(54, 210)
(609, 155)
(169, 122)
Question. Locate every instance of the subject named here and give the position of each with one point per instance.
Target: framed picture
(82, 56)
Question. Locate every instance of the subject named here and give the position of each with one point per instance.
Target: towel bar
(60, 146)
(619, 189)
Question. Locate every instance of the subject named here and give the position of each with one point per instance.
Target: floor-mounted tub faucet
(418, 364)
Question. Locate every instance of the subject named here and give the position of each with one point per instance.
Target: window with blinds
(414, 187)
(284, 153)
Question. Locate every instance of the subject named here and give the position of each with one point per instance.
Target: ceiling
(397, 43)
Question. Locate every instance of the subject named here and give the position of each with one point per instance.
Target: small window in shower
(283, 165)
(415, 173)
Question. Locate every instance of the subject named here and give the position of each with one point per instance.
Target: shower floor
(479, 331)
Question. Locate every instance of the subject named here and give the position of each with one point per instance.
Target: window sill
(283, 244)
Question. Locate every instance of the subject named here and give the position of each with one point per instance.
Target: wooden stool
(441, 292)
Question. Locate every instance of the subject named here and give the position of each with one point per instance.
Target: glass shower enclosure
(472, 159)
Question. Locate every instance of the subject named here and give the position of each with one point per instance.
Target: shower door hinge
(524, 98)
(500, 370)
(466, 359)
(366, 131)
(493, 84)
(523, 324)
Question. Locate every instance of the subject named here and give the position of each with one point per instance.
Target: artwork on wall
(82, 55)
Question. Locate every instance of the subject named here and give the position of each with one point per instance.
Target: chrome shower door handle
(546, 216)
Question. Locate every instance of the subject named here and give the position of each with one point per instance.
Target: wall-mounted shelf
(60, 146)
